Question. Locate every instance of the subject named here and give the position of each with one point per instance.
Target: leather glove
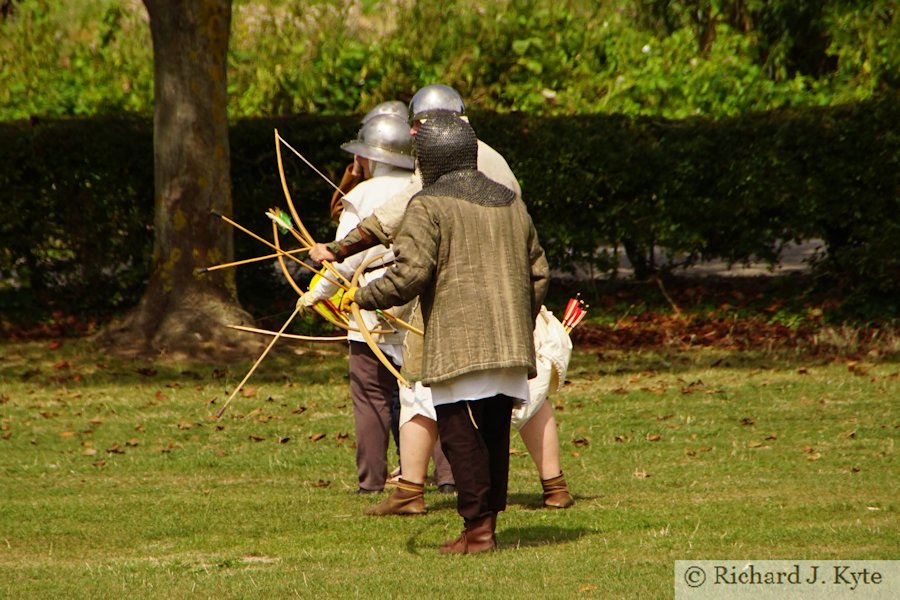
(347, 299)
(305, 303)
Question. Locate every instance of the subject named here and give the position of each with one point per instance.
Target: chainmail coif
(447, 157)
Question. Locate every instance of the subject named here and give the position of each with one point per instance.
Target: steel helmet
(386, 139)
(391, 107)
(435, 98)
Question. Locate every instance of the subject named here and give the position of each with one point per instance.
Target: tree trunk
(182, 313)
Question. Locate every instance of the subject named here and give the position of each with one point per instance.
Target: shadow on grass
(508, 538)
(536, 501)
(441, 502)
(539, 535)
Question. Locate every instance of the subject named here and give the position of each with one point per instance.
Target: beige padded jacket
(481, 275)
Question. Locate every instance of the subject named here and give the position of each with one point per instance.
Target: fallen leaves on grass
(702, 449)
(811, 453)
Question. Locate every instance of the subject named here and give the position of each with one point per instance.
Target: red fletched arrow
(575, 311)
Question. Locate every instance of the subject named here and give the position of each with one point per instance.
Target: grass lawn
(117, 482)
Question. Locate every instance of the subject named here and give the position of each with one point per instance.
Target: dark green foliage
(76, 220)
(76, 216)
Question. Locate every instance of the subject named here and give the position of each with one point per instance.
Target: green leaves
(668, 59)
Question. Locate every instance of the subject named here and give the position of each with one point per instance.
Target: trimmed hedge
(77, 195)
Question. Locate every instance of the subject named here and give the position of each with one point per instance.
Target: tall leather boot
(478, 536)
(406, 499)
(556, 492)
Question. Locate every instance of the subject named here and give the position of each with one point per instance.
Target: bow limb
(400, 322)
(247, 261)
(290, 336)
(290, 279)
(287, 274)
(257, 363)
(304, 236)
(287, 194)
(284, 269)
(367, 335)
(271, 245)
(310, 165)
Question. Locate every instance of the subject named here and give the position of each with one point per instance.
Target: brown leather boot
(406, 499)
(478, 536)
(556, 492)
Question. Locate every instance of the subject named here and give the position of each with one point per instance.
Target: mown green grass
(115, 480)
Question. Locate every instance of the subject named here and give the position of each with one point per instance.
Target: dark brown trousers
(442, 472)
(478, 456)
(371, 388)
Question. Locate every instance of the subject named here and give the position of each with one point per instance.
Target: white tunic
(386, 182)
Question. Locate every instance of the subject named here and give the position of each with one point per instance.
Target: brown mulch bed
(657, 331)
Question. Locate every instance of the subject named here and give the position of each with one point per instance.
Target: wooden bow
(364, 330)
(257, 363)
(291, 336)
(304, 235)
(306, 241)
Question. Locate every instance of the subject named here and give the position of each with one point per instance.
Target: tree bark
(182, 313)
